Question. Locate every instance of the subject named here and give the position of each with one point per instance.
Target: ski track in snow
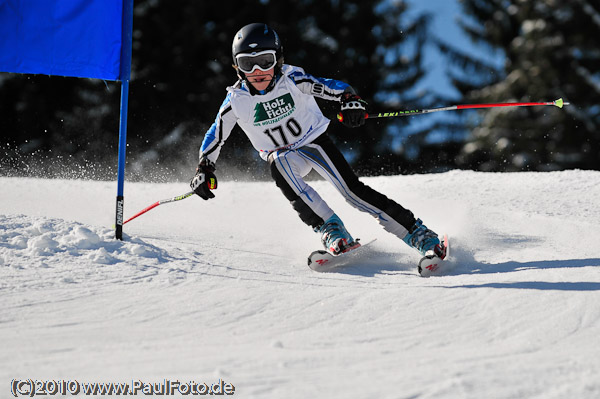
(208, 290)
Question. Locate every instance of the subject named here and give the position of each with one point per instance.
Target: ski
(323, 261)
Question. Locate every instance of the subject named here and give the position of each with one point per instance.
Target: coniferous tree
(551, 52)
(370, 45)
(182, 64)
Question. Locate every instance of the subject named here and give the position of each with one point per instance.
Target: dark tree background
(552, 52)
(67, 127)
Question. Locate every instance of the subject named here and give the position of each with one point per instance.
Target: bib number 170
(291, 126)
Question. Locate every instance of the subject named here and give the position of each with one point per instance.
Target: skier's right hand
(205, 180)
(353, 110)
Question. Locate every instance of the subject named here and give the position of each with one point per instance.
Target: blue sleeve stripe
(209, 138)
(212, 133)
(332, 84)
(226, 101)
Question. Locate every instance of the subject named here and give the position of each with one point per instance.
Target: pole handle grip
(340, 117)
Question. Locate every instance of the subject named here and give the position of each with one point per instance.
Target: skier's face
(260, 79)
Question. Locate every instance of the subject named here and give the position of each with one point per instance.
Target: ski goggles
(263, 60)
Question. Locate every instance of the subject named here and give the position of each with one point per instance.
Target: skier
(274, 104)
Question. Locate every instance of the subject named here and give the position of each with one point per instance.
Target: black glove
(204, 180)
(354, 110)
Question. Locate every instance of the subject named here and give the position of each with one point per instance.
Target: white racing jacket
(287, 117)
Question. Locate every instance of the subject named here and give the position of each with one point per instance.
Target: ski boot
(335, 237)
(424, 240)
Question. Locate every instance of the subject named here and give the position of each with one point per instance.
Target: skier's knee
(307, 215)
(280, 181)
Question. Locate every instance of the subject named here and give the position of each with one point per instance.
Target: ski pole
(558, 103)
(157, 203)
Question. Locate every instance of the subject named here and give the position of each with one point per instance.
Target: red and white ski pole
(157, 203)
(558, 103)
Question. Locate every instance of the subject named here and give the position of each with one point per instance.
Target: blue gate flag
(80, 38)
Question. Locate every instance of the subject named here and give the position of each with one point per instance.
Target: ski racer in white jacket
(274, 104)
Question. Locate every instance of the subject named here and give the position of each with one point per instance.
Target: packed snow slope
(219, 290)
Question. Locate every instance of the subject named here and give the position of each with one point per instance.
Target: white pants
(289, 167)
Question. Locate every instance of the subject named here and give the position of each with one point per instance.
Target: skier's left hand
(353, 110)
(205, 180)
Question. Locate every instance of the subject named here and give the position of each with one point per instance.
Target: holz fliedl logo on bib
(274, 110)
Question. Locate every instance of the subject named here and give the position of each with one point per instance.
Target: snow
(208, 290)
